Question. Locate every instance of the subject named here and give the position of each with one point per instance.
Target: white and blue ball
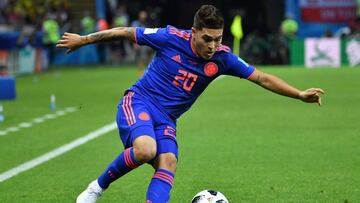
(209, 196)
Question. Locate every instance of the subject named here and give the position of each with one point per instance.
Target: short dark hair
(208, 16)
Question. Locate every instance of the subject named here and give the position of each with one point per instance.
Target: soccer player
(185, 63)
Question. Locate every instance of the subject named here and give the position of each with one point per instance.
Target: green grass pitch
(248, 143)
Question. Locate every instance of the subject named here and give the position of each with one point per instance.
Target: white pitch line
(56, 152)
(3, 132)
(38, 120)
(25, 125)
(50, 116)
(12, 129)
(60, 113)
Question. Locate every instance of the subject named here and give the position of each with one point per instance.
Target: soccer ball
(209, 196)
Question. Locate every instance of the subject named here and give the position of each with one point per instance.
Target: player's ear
(193, 30)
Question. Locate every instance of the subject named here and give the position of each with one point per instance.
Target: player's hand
(311, 95)
(70, 41)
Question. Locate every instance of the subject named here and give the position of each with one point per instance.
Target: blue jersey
(176, 76)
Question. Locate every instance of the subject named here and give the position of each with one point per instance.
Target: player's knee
(145, 154)
(144, 149)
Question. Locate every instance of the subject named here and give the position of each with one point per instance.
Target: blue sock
(160, 186)
(123, 164)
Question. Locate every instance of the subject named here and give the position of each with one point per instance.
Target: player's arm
(279, 86)
(73, 41)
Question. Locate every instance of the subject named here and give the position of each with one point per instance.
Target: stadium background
(251, 145)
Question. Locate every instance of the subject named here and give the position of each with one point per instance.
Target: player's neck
(192, 45)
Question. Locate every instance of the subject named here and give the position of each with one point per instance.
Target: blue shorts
(136, 117)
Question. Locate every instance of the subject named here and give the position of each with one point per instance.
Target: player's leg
(142, 151)
(164, 165)
(162, 180)
(138, 137)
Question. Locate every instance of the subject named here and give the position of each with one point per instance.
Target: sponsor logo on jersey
(150, 30)
(211, 69)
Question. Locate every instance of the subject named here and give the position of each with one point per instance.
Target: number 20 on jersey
(186, 78)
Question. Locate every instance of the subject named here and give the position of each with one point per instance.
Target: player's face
(206, 41)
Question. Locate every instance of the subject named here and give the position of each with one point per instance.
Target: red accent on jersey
(177, 58)
(144, 116)
(170, 131)
(190, 77)
(164, 177)
(211, 69)
(223, 48)
(187, 77)
(180, 78)
(180, 33)
(128, 160)
(127, 108)
(251, 75)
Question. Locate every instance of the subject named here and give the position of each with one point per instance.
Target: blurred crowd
(53, 17)
(17, 14)
(118, 15)
(273, 47)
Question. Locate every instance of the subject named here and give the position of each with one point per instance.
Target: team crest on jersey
(144, 116)
(211, 69)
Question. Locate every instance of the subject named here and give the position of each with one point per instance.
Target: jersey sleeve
(152, 37)
(238, 67)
